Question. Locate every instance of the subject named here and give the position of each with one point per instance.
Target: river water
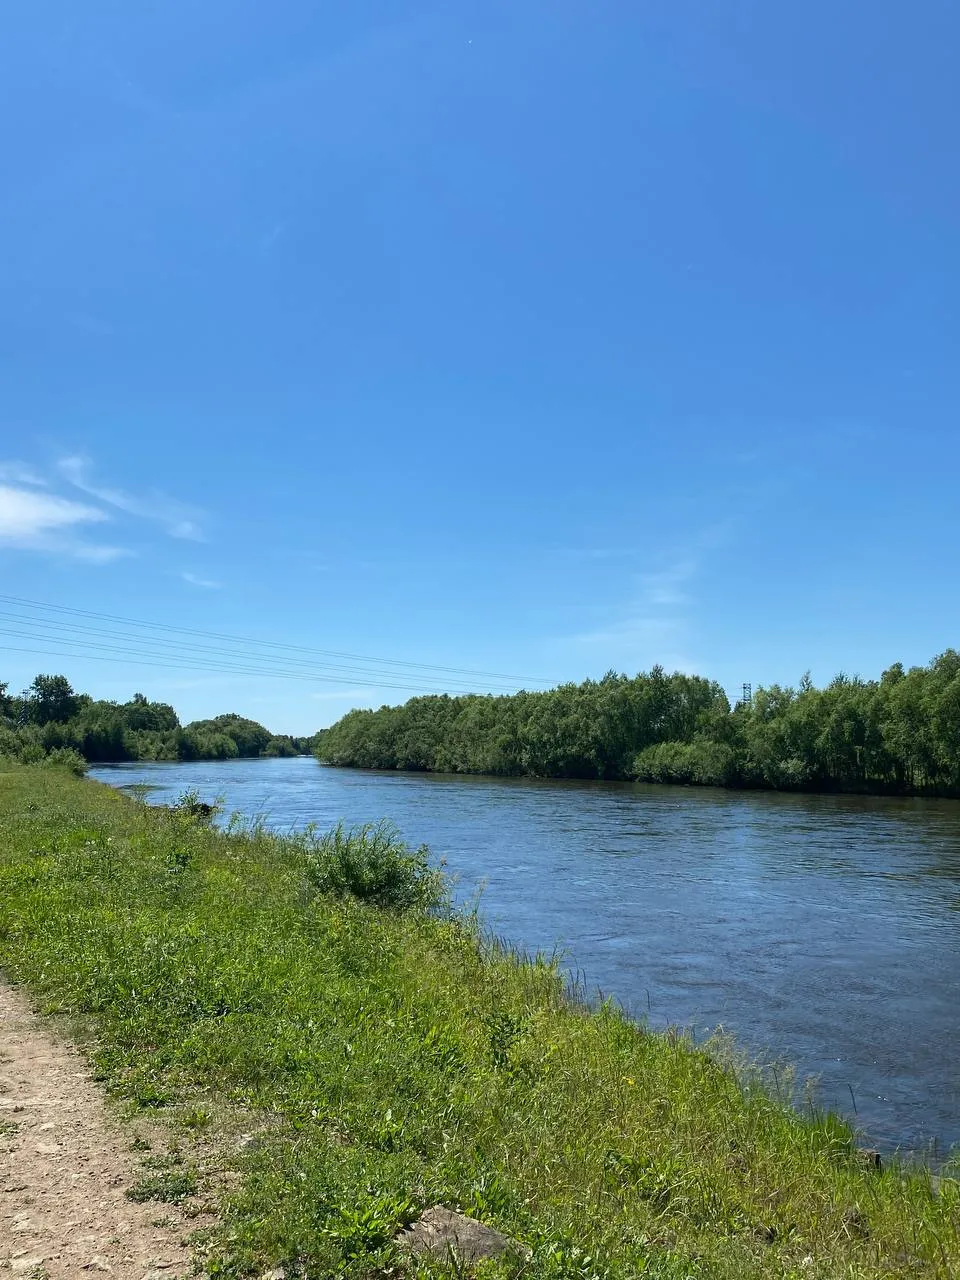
(820, 929)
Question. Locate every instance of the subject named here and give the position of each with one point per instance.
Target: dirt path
(64, 1168)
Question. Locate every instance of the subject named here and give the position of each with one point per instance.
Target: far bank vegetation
(50, 722)
(899, 734)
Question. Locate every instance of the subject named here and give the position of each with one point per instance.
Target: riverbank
(392, 1061)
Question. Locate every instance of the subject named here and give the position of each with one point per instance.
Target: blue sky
(533, 338)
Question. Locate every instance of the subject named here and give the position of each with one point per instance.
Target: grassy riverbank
(390, 1061)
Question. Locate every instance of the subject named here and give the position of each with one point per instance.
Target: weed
(166, 1179)
(190, 805)
(170, 1187)
(195, 1118)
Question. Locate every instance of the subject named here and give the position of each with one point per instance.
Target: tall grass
(392, 1059)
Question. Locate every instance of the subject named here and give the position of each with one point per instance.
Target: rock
(24, 1265)
(277, 1273)
(443, 1232)
(871, 1159)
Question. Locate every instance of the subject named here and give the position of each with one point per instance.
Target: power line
(21, 602)
(148, 661)
(91, 635)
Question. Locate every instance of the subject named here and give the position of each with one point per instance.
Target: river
(824, 930)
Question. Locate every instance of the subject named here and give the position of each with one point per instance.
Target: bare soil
(65, 1165)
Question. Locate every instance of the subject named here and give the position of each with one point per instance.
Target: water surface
(822, 929)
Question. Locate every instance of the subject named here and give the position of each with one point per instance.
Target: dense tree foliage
(897, 734)
(50, 720)
(590, 730)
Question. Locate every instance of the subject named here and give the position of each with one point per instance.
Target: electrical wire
(21, 602)
(225, 670)
(136, 645)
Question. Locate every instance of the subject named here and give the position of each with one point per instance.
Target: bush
(190, 805)
(699, 763)
(372, 862)
(66, 758)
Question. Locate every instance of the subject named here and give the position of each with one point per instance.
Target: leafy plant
(372, 863)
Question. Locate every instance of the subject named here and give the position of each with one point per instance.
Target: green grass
(164, 1178)
(388, 1060)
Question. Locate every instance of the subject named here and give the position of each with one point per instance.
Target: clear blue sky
(538, 338)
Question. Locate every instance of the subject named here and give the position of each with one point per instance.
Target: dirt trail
(64, 1168)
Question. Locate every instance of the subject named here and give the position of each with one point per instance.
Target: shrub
(190, 805)
(66, 758)
(372, 862)
(701, 762)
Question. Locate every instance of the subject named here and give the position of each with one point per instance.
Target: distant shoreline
(896, 736)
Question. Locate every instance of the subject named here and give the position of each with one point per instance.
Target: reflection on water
(822, 929)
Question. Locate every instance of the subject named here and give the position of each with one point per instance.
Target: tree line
(899, 734)
(49, 721)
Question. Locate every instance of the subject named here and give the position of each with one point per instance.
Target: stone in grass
(445, 1233)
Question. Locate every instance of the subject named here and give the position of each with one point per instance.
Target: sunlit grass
(391, 1060)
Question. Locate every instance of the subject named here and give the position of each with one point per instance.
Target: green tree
(51, 698)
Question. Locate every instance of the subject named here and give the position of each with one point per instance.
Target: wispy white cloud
(92, 554)
(37, 521)
(634, 631)
(634, 642)
(179, 520)
(668, 587)
(652, 621)
(196, 581)
(25, 513)
(653, 612)
(33, 517)
(20, 473)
